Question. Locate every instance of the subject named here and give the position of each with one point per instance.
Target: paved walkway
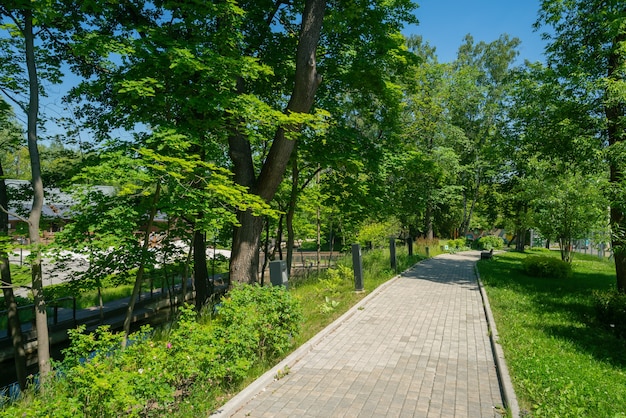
(418, 346)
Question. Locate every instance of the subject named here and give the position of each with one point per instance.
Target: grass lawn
(561, 361)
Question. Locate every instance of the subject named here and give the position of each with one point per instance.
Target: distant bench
(486, 255)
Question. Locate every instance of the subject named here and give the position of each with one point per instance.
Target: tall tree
(587, 49)
(482, 78)
(246, 240)
(233, 78)
(20, 44)
(8, 136)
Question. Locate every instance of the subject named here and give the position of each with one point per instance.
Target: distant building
(57, 205)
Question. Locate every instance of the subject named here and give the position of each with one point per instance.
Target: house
(57, 205)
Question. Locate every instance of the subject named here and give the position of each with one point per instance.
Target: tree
(19, 47)
(552, 140)
(246, 238)
(586, 49)
(233, 78)
(567, 208)
(429, 163)
(9, 135)
(482, 77)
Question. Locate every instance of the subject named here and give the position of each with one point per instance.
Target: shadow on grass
(569, 301)
(601, 344)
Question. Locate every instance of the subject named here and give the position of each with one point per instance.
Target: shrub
(259, 320)
(610, 309)
(456, 244)
(491, 242)
(333, 279)
(543, 266)
(99, 378)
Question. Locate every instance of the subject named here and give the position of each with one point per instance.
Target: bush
(491, 242)
(331, 282)
(99, 378)
(610, 309)
(543, 266)
(263, 319)
(457, 244)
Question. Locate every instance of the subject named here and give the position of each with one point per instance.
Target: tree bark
(615, 113)
(246, 237)
(15, 328)
(139, 277)
(520, 239)
(295, 177)
(41, 317)
(428, 221)
(201, 272)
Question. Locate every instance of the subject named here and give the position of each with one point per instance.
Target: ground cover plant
(193, 367)
(562, 360)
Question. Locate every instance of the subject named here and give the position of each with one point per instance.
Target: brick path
(416, 347)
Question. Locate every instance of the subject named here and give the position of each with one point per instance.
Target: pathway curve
(418, 346)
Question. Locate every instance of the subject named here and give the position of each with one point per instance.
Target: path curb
(506, 385)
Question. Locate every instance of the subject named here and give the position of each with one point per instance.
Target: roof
(57, 203)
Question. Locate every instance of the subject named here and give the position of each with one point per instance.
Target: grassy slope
(561, 362)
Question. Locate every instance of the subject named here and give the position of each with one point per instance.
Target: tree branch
(21, 218)
(13, 99)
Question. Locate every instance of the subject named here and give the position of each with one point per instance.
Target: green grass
(561, 361)
(20, 275)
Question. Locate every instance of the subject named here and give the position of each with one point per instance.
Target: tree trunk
(319, 239)
(15, 328)
(139, 277)
(278, 245)
(428, 221)
(615, 130)
(246, 238)
(201, 272)
(471, 209)
(266, 250)
(520, 240)
(295, 176)
(244, 260)
(41, 317)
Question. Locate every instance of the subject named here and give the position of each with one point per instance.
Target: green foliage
(260, 321)
(329, 305)
(331, 284)
(610, 307)
(378, 233)
(546, 266)
(99, 378)
(186, 370)
(457, 244)
(491, 242)
(332, 280)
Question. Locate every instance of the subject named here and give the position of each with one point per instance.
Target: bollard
(427, 252)
(278, 273)
(409, 243)
(357, 264)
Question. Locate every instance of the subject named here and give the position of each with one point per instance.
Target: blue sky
(444, 24)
